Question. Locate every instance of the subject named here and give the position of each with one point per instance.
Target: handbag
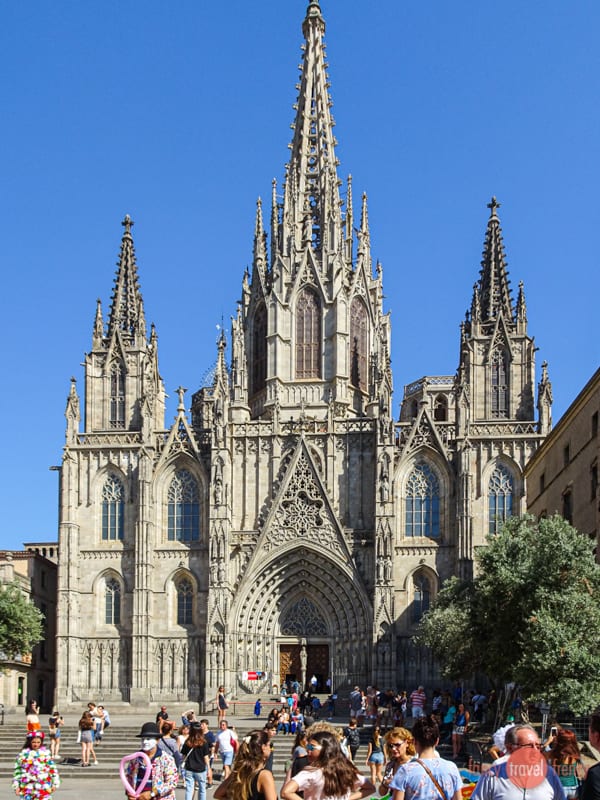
(433, 778)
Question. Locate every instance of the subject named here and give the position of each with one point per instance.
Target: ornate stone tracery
(304, 619)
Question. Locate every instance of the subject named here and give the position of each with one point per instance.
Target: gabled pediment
(424, 434)
(301, 513)
(307, 275)
(180, 440)
(116, 352)
(500, 338)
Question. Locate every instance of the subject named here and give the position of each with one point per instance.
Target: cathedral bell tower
(310, 329)
(123, 388)
(497, 364)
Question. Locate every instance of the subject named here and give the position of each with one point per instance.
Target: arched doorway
(301, 598)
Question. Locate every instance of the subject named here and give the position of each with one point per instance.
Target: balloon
(124, 761)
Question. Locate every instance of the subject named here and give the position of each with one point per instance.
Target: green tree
(531, 615)
(20, 622)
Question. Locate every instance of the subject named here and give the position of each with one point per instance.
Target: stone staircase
(122, 738)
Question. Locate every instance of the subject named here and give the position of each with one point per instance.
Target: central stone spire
(312, 201)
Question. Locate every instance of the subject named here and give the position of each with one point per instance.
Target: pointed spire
(260, 243)
(274, 221)
(545, 401)
(521, 305)
(494, 286)
(349, 222)
(72, 413)
(221, 375)
(126, 310)
(313, 176)
(364, 236)
(98, 324)
(475, 305)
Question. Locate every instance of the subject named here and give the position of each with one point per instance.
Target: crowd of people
(403, 761)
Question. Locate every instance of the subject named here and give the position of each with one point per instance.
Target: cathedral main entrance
(317, 664)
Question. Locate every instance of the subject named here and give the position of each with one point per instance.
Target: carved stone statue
(303, 662)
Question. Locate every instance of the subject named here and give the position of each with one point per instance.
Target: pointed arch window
(185, 602)
(183, 508)
(359, 345)
(421, 596)
(259, 349)
(117, 396)
(499, 376)
(113, 507)
(422, 502)
(500, 498)
(112, 602)
(308, 335)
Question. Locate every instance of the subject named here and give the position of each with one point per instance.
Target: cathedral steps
(122, 739)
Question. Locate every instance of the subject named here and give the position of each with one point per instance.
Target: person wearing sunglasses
(399, 749)
(522, 773)
(427, 777)
(329, 775)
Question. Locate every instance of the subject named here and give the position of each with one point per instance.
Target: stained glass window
(499, 365)
(112, 595)
(500, 498)
(113, 495)
(422, 502)
(259, 349)
(421, 596)
(183, 508)
(308, 335)
(117, 397)
(359, 345)
(185, 597)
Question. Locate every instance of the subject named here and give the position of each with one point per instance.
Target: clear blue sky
(178, 113)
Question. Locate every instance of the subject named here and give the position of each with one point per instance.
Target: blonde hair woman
(399, 749)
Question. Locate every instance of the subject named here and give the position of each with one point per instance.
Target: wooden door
(289, 663)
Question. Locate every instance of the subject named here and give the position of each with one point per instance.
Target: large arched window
(113, 506)
(500, 498)
(421, 598)
(499, 366)
(422, 502)
(112, 602)
(183, 508)
(259, 349)
(359, 345)
(185, 599)
(117, 396)
(308, 335)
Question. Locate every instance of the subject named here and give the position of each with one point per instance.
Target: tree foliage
(20, 622)
(531, 615)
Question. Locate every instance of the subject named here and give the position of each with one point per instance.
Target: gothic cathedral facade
(288, 524)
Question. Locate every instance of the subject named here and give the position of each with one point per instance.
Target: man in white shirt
(522, 774)
(225, 747)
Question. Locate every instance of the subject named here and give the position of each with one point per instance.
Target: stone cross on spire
(127, 223)
(493, 205)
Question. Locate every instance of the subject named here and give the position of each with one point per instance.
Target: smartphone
(553, 731)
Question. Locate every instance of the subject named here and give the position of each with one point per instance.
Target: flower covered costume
(35, 776)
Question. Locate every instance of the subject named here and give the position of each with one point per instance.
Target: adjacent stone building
(562, 477)
(32, 675)
(286, 525)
